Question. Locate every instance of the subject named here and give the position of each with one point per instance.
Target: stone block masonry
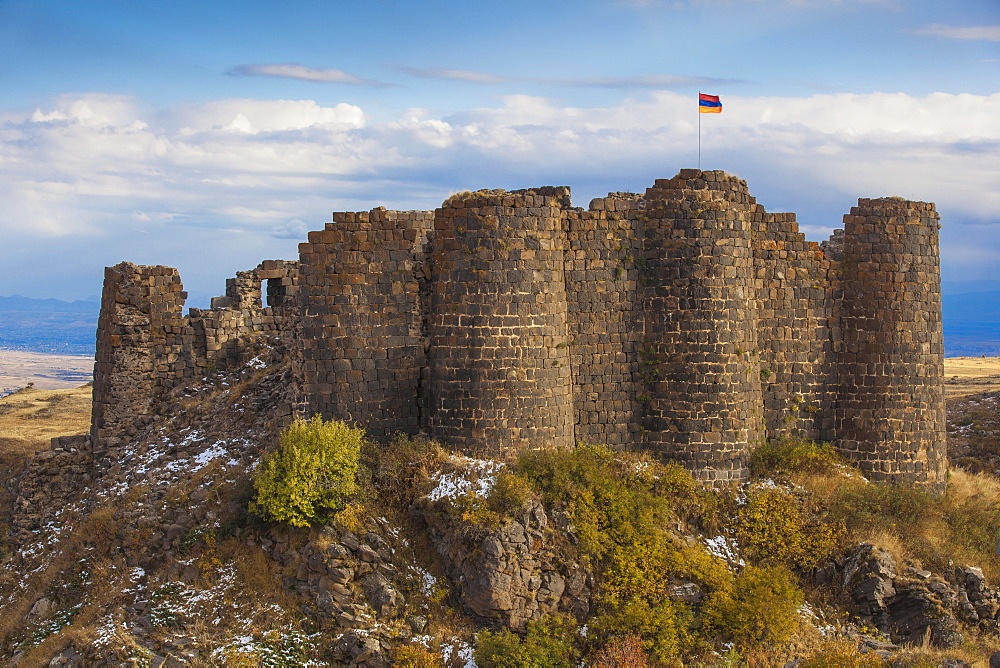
(890, 409)
(498, 337)
(687, 321)
(364, 281)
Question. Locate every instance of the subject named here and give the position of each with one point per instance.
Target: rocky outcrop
(518, 572)
(912, 605)
(355, 585)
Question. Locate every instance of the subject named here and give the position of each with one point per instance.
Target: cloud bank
(213, 187)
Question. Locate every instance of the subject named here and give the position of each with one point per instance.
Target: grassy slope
(29, 418)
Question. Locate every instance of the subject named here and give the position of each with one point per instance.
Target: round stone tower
(499, 351)
(890, 410)
(699, 363)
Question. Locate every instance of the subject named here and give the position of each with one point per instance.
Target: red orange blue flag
(709, 104)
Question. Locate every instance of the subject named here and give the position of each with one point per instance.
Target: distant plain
(43, 370)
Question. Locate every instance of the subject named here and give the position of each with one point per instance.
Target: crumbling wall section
(146, 347)
(241, 312)
(139, 343)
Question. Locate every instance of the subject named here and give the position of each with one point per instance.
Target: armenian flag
(709, 104)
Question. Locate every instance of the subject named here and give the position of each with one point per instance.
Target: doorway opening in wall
(273, 291)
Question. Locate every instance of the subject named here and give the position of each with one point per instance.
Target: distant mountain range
(26, 304)
(971, 324)
(48, 325)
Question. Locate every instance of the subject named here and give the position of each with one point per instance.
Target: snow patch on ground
(809, 614)
(457, 649)
(167, 459)
(473, 476)
(726, 549)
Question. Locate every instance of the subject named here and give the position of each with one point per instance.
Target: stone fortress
(687, 321)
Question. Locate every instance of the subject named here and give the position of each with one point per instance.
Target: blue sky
(212, 135)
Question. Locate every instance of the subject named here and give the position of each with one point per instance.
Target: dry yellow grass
(889, 541)
(30, 417)
(974, 486)
(971, 375)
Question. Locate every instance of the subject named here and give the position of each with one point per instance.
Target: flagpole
(699, 131)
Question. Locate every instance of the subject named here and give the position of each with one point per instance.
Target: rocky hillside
(149, 556)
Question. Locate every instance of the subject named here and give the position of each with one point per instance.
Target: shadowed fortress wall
(687, 321)
(363, 313)
(700, 319)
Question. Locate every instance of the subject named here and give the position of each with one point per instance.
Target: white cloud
(96, 166)
(254, 116)
(301, 73)
(90, 110)
(293, 229)
(986, 33)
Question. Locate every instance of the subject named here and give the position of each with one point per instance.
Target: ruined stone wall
(890, 412)
(499, 347)
(363, 319)
(687, 321)
(247, 309)
(798, 292)
(146, 347)
(139, 337)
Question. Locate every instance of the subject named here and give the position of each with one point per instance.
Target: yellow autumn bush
(311, 475)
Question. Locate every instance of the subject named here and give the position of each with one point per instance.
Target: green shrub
(402, 469)
(794, 455)
(622, 505)
(760, 609)
(662, 624)
(774, 526)
(505, 500)
(549, 643)
(416, 656)
(613, 497)
(311, 475)
(509, 494)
